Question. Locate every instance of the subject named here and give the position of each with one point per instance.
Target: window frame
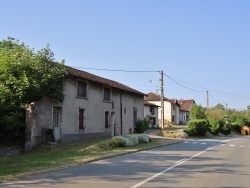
(104, 95)
(83, 120)
(84, 92)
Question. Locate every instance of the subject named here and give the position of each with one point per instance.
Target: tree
(219, 106)
(197, 112)
(26, 76)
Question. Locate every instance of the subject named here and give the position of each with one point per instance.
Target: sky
(199, 45)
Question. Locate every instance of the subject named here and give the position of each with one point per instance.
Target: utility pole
(207, 100)
(162, 101)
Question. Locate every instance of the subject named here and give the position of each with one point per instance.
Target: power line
(174, 79)
(113, 70)
(182, 85)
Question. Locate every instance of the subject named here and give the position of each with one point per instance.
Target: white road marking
(231, 145)
(170, 168)
(194, 142)
(242, 146)
(181, 160)
(203, 143)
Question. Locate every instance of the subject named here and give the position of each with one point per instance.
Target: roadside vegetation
(216, 120)
(46, 158)
(25, 76)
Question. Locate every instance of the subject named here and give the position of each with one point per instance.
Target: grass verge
(46, 158)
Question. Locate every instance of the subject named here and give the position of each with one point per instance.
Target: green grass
(46, 158)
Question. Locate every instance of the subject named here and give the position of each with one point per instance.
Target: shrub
(141, 126)
(127, 142)
(143, 138)
(133, 139)
(197, 127)
(226, 129)
(214, 125)
(117, 141)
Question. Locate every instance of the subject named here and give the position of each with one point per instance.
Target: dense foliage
(197, 112)
(197, 127)
(25, 76)
(141, 126)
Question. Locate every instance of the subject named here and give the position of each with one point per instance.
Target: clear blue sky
(204, 43)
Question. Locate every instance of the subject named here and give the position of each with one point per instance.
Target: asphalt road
(221, 162)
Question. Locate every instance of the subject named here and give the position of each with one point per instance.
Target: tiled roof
(185, 104)
(98, 79)
(155, 97)
(146, 103)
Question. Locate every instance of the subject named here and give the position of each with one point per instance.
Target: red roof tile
(98, 79)
(185, 104)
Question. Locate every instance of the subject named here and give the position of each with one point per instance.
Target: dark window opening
(82, 89)
(81, 119)
(107, 93)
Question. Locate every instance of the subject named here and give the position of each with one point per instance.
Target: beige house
(171, 107)
(185, 110)
(93, 107)
(151, 114)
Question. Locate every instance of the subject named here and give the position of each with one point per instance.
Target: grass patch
(45, 158)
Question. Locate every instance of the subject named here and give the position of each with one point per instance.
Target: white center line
(170, 168)
(231, 145)
(242, 146)
(181, 160)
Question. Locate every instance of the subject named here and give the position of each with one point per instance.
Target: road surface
(223, 162)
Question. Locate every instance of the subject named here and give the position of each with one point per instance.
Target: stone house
(93, 107)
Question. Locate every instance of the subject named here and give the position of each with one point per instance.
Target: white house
(151, 114)
(171, 107)
(93, 107)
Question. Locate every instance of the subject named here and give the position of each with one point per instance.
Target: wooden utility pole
(207, 100)
(162, 101)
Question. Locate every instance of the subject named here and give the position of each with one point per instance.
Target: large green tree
(197, 112)
(25, 76)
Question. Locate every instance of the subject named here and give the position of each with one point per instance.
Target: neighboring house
(185, 110)
(151, 114)
(171, 107)
(93, 107)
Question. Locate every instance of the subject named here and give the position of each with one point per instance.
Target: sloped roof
(98, 79)
(186, 104)
(146, 103)
(155, 97)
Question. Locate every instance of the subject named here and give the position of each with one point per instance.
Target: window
(81, 119)
(173, 106)
(106, 120)
(81, 89)
(107, 93)
(152, 109)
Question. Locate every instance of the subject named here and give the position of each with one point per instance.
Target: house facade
(151, 114)
(93, 107)
(185, 110)
(171, 107)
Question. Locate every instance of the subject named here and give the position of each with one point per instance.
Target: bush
(141, 126)
(117, 141)
(226, 129)
(133, 139)
(236, 127)
(197, 127)
(143, 138)
(214, 125)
